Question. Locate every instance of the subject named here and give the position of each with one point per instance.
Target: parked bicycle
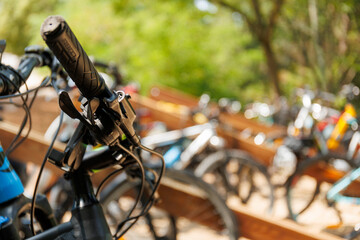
(335, 156)
(106, 118)
(198, 148)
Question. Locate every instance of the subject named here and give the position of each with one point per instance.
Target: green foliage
(320, 45)
(175, 44)
(15, 22)
(170, 43)
(207, 55)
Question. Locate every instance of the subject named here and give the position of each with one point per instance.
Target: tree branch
(258, 15)
(274, 15)
(252, 25)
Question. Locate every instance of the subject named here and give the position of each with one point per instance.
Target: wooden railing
(251, 225)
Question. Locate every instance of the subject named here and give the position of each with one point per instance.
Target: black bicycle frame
(88, 219)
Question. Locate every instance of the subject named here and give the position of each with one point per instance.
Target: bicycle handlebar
(63, 43)
(11, 79)
(35, 56)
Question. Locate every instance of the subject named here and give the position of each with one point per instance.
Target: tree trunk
(273, 68)
(262, 31)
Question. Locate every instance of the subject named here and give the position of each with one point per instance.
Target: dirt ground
(319, 216)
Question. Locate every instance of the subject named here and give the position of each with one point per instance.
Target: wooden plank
(174, 119)
(43, 112)
(331, 175)
(260, 227)
(237, 121)
(161, 93)
(251, 225)
(188, 206)
(33, 149)
(231, 127)
(262, 152)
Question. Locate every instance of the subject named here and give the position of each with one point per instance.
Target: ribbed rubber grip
(67, 49)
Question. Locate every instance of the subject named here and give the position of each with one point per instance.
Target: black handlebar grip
(62, 41)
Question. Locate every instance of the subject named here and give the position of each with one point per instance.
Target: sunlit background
(237, 49)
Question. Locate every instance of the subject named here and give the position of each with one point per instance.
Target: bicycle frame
(14, 203)
(10, 186)
(107, 118)
(86, 206)
(334, 193)
(174, 157)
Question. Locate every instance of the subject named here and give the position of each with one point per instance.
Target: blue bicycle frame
(334, 193)
(10, 184)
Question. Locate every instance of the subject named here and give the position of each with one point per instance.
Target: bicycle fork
(87, 212)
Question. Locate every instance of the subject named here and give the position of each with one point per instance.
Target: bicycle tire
(235, 172)
(61, 198)
(216, 209)
(19, 211)
(119, 191)
(302, 189)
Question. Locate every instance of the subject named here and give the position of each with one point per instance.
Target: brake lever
(126, 116)
(68, 107)
(118, 109)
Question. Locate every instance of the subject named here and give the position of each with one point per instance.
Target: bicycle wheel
(303, 187)
(61, 199)
(117, 199)
(234, 172)
(18, 210)
(190, 221)
(203, 213)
